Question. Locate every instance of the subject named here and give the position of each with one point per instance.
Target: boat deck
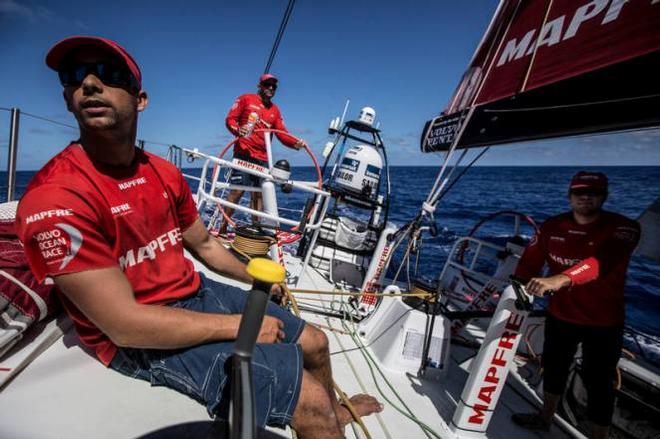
(66, 392)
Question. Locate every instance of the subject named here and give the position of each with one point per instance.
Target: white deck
(66, 392)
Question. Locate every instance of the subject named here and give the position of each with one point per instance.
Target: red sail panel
(546, 41)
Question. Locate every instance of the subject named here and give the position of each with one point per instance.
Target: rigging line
(582, 104)
(280, 34)
(371, 363)
(440, 182)
(448, 178)
(156, 143)
(283, 28)
(379, 418)
(23, 113)
(5, 109)
(383, 332)
(276, 41)
(403, 260)
(462, 173)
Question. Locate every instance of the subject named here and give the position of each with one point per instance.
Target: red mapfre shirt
(77, 215)
(254, 145)
(595, 256)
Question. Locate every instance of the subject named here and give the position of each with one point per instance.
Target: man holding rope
(250, 114)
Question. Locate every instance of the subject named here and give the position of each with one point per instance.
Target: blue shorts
(202, 371)
(243, 178)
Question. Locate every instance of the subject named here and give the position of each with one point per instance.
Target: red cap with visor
(267, 77)
(59, 51)
(589, 180)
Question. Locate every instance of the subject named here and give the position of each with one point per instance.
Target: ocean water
(538, 192)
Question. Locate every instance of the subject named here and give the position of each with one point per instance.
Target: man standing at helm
(250, 114)
(587, 251)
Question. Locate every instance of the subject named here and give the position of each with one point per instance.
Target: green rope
(371, 363)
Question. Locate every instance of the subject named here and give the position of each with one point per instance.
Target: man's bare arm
(198, 240)
(106, 298)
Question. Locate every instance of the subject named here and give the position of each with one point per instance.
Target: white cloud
(10, 7)
(81, 25)
(33, 14)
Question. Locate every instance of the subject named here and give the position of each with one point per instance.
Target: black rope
(48, 120)
(154, 142)
(23, 113)
(280, 33)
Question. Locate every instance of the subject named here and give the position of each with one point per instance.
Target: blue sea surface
(539, 192)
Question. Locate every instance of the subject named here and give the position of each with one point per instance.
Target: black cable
(285, 23)
(280, 34)
(48, 120)
(156, 143)
(45, 119)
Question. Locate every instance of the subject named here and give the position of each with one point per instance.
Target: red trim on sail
(547, 41)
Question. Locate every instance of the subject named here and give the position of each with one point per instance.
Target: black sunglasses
(109, 74)
(269, 85)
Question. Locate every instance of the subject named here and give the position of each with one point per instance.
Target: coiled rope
(252, 246)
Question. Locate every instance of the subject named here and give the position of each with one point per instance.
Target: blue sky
(403, 58)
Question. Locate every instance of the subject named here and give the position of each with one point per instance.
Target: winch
(252, 241)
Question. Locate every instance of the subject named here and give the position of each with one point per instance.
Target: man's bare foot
(363, 404)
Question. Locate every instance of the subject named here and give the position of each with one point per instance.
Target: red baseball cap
(266, 77)
(589, 180)
(59, 51)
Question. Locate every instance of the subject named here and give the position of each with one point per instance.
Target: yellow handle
(267, 271)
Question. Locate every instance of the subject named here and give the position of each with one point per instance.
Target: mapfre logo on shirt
(568, 262)
(48, 214)
(131, 183)
(121, 209)
(151, 250)
(59, 245)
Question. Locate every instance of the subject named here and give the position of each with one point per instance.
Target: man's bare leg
(314, 416)
(233, 197)
(599, 431)
(550, 402)
(256, 203)
(316, 358)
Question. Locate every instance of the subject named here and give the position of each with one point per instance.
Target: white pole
(11, 155)
(490, 368)
(269, 151)
(343, 115)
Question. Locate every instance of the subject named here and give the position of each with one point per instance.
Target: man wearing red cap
(108, 223)
(252, 112)
(587, 251)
